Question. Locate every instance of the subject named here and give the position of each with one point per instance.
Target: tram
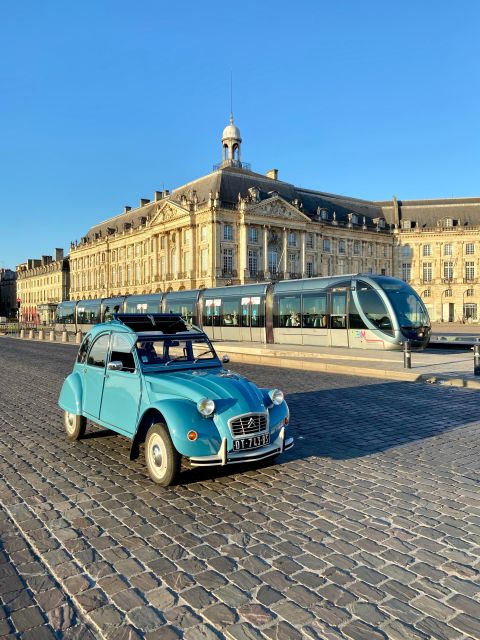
(361, 311)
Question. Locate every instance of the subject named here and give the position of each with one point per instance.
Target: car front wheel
(74, 425)
(163, 460)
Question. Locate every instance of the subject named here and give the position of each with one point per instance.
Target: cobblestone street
(368, 528)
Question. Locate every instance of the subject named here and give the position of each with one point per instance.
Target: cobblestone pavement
(369, 528)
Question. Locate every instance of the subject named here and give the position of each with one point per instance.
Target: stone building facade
(233, 226)
(8, 293)
(41, 285)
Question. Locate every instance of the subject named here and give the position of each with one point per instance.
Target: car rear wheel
(163, 460)
(74, 425)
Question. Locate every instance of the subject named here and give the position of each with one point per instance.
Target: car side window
(82, 352)
(122, 352)
(97, 356)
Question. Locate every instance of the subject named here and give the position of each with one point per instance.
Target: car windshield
(165, 352)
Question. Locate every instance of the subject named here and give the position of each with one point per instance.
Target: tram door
(251, 320)
(211, 319)
(338, 318)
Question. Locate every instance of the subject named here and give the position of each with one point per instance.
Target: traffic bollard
(52, 336)
(407, 355)
(476, 360)
(78, 337)
(41, 334)
(64, 336)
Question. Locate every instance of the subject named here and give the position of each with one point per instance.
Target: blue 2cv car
(158, 381)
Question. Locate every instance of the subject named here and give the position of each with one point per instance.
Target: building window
(406, 224)
(227, 232)
(162, 266)
(292, 239)
(120, 276)
(114, 277)
(228, 260)
(470, 249)
(342, 246)
(447, 250)
(122, 253)
(204, 260)
(252, 235)
(129, 275)
(309, 241)
(469, 270)
(272, 261)
(448, 293)
(138, 274)
(326, 245)
(174, 261)
(448, 270)
(427, 271)
(204, 233)
(406, 271)
(369, 250)
(292, 263)
(114, 255)
(309, 269)
(129, 251)
(253, 262)
(187, 261)
(186, 236)
(356, 247)
(427, 250)
(470, 311)
(162, 242)
(427, 293)
(448, 222)
(385, 250)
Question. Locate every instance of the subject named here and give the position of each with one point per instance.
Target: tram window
(315, 311)
(257, 319)
(374, 308)
(82, 353)
(211, 313)
(65, 314)
(289, 311)
(338, 318)
(354, 319)
(88, 313)
(184, 309)
(229, 314)
(110, 309)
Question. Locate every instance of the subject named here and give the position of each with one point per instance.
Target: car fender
(181, 416)
(71, 395)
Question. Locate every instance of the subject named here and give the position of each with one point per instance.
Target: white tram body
(360, 311)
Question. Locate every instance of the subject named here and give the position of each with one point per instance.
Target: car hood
(232, 394)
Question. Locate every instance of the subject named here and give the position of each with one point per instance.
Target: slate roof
(229, 182)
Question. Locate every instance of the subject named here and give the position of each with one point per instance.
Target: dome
(231, 131)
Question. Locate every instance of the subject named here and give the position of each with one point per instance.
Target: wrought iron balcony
(232, 163)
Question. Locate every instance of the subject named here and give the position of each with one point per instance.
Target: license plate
(251, 443)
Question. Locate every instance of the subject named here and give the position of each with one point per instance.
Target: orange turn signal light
(287, 420)
(192, 436)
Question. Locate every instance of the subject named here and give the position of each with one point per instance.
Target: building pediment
(278, 208)
(168, 211)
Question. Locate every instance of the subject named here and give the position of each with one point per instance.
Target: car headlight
(206, 407)
(276, 396)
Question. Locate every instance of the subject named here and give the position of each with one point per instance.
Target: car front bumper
(224, 457)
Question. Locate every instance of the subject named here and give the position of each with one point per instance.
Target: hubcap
(70, 421)
(157, 455)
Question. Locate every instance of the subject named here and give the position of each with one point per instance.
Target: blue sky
(105, 101)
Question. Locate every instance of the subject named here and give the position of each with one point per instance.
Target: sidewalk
(444, 367)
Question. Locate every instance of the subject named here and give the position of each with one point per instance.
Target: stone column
(302, 255)
(283, 266)
(265, 251)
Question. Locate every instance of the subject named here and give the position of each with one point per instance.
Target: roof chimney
(144, 201)
(158, 195)
(58, 254)
(272, 173)
(126, 208)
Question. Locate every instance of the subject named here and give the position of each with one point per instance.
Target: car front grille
(246, 425)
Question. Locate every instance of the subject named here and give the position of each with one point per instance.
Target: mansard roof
(231, 182)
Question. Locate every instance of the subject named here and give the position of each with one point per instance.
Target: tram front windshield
(409, 309)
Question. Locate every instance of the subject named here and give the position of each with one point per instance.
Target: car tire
(74, 425)
(161, 457)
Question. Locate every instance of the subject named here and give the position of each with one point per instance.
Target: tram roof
(236, 290)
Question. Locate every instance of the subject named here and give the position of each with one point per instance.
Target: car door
(122, 391)
(94, 375)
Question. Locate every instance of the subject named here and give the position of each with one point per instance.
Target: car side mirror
(225, 359)
(115, 365)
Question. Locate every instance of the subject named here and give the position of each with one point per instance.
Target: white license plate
(251, 443)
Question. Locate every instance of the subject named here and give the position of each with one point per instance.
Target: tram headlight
(206, 406)
(276, 396)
